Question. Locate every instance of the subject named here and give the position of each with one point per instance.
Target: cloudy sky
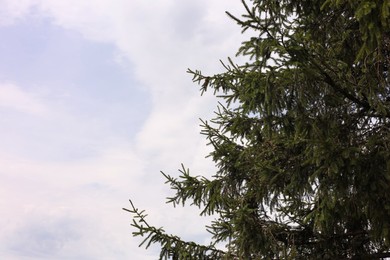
(95, 101)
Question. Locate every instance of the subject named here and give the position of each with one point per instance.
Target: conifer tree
(301, 138)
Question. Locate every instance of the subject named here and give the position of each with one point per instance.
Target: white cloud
(62, 209)
(10, 10)
(15, 98)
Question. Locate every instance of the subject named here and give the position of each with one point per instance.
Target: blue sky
(94, 102)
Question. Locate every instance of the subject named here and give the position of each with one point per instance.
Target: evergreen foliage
(301, 138)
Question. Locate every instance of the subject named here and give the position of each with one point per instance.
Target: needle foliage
(300, 138)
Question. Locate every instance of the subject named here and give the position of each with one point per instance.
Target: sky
(95, 101)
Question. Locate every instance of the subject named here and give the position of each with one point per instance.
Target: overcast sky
(95, 101)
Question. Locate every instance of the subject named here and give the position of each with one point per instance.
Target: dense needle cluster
(300, 139)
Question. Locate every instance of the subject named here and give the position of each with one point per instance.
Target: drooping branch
(171, 246)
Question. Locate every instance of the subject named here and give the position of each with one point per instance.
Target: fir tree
(301, 138)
